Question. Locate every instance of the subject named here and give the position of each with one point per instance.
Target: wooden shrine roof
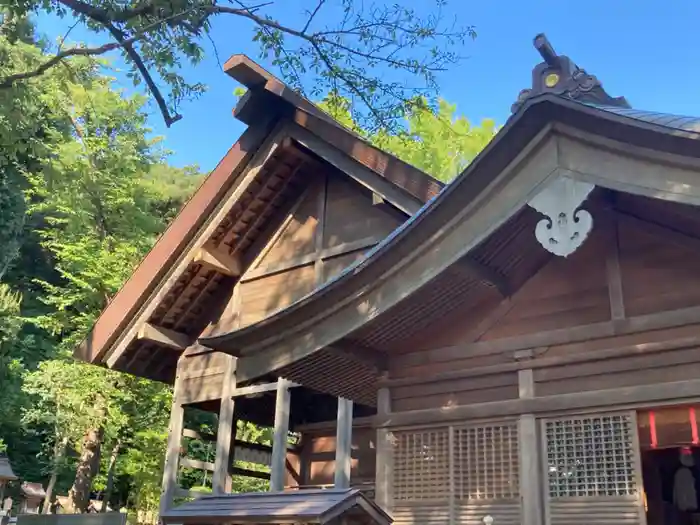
(302, 506)
(416, 275)
(180, 296)
(467, 245)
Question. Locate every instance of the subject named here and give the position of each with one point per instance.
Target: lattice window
(591, 456)
(421, 465)
(486, 462)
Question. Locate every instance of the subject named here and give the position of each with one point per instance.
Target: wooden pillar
(281, 431)
(172, 453)
(529, 453)
(226, 433)
(385, 460)
(343, 444)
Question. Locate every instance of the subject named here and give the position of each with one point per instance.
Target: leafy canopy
(378, 55)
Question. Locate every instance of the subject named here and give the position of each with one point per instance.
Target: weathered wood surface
(106, 518)
(302, 506)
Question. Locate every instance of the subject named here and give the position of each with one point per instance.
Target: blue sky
(646, 50)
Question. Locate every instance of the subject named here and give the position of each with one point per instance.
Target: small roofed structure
(6, 474)
(303, 506)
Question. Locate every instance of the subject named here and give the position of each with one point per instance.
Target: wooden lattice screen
(458, 472)
(592, 469)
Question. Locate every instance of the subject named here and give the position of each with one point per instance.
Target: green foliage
(435, 140)
(84, 193)
(89, 195)
(365, 52)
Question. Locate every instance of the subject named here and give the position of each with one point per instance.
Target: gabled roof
(220, 212)
(6, 472)
(301, 506)
(458, 223)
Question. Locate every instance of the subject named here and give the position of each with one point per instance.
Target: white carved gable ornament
(566, 226)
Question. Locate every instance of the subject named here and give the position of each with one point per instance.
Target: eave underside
(461, 295)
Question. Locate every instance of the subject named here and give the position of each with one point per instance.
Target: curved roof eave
(654, 132)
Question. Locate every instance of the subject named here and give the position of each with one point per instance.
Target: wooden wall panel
(334, 265)
(657, 275)
(351, 216)
(297, 236)
(319, 453)
(261, 297)
(448, 393)
(566, 292)
(675, 365)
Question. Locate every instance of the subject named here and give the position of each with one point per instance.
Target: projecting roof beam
(219, 261)
(488, 274)
(164, 337)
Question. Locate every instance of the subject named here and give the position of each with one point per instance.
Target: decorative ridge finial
(559, 75)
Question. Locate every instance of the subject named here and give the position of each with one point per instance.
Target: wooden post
(279, 443)
(172, 453)
(384, 468)
(225, 434)
(529, 454)
(343, 444)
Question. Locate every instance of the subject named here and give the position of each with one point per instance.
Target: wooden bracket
(219, 261)
(164, 337)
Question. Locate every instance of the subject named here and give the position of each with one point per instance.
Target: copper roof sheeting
(303, 506)
(666, 120)
(6, 472)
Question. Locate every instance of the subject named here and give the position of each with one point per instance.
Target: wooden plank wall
(316, 459)
(617, 313)
(332, 225)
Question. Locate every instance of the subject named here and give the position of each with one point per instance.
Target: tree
(362, 51)
(435, 140)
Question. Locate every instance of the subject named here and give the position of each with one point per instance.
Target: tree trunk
(88, 466)
(58, 453)
(110, 475)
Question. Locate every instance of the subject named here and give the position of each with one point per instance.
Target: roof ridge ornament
(566, 226)
(559, 75)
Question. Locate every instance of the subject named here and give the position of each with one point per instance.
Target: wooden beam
(675, 392)
(630, 325)
(226, 433)
(164, 337)
(193, 434)
(612, 265)
(219, 261)
(320, 229)
(197, 464)
(281, 432)
(665, 233)
(530, 471)
(369, 356)
(523, 361)
(237, 471)
(488, 274)
(384, 461)
(172, 452)
(259, 389)
(340, 249)
(360, 173)
(189, 493)
(343, 444)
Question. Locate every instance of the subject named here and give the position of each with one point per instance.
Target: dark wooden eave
(367, 283)
(169, 300)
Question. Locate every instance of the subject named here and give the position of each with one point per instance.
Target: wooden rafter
(373, 358)
(486, 273)
(164, 337)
